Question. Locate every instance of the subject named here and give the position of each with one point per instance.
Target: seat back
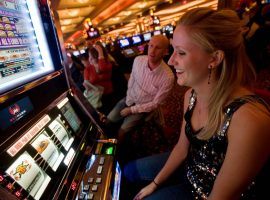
(263, 180)
(264, 94)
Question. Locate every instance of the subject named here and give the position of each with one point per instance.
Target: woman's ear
(217, 58)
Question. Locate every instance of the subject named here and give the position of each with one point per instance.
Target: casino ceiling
(118, 17)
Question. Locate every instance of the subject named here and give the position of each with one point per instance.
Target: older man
(150, 82)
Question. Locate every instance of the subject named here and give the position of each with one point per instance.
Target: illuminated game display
(21, 44)
(157, 32)
(70, 115)
(136, 40)
(15, 112)
(29, 175)
(52, 139)
(147, 36)
(117, 182)
(124, 43)
(76, 53)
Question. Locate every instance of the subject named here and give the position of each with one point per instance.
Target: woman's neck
(203, 94)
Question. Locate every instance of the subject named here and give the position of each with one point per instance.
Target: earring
(209, 74)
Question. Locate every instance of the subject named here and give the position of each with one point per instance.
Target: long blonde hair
(220, 30)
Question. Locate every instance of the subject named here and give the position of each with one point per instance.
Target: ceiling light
(132, 24)
(73, 12)
(115, 18)
(65, 21)
(208, 4)
(126, 13)
(82, 1)
(142, 5)
(179, 8)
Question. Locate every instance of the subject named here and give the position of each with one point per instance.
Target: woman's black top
(206, 157)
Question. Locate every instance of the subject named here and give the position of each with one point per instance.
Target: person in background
(99, 71)
(124, 63)
(224, 144)
(119, 69)
(85, 58)
(76, 70)
(150, 82)
(256, 26)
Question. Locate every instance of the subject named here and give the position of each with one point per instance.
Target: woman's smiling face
(189, 59)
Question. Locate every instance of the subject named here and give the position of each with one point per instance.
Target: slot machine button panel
(102, 160)
(99, 169)
(86, 187)
(90, 196)
(98, 180)
(90, 180)
(94, 188)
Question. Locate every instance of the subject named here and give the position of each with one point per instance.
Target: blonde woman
(225, 140)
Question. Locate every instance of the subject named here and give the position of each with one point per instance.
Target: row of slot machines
(135, 45)
(51, 144)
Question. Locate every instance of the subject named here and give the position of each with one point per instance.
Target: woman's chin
(180, 82)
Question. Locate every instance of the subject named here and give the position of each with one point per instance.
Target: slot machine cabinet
(48, 135)
(46, 158)
(41, 158)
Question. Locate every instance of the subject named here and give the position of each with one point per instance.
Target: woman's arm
(247, 152)
(175, 159)
(104, 66)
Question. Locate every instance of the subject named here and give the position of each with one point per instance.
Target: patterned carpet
(152, 138)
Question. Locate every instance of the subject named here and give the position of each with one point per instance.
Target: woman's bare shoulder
(253, 112)
(252, 120)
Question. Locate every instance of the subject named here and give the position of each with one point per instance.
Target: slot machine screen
(70, 115)
(15, 112)
(46, 137)
(93, 33)
(157, 32)
(45, 146)
(136, 39)
(147, 36)
(124, 43)
(129, 52)
(117, 182)
(141, 48)
(24, 56)
(62, 134)
(76, 53)
(169, 29)
(29, 175)
(82, 51)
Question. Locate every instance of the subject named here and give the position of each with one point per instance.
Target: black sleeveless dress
(206, 157)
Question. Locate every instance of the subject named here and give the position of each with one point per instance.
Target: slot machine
(51, 146)
(137, 42)
(126, 44)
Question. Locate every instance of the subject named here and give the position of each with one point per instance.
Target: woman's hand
(149, 189)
